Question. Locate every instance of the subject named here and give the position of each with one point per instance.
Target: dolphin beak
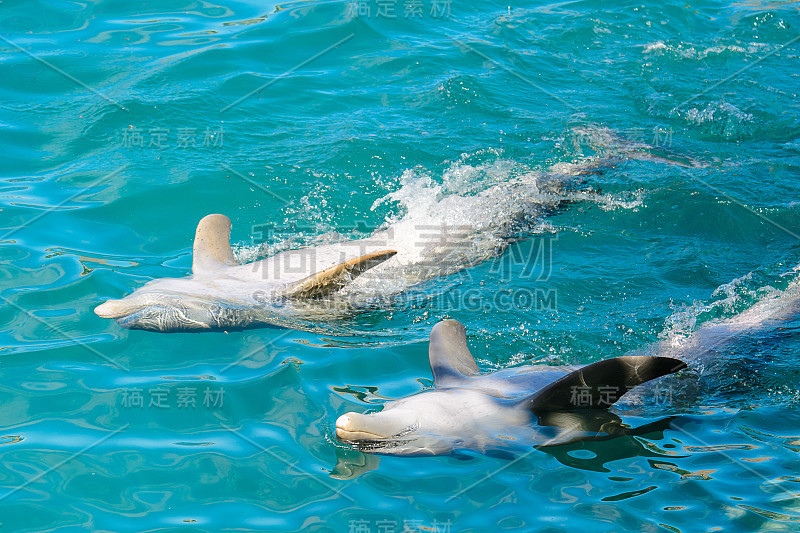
(347, 428)
(112, 309)
(344, 428)
(355, 427)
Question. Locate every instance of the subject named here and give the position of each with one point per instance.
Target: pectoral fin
(212, 246)
(334, 278)
(599, 385)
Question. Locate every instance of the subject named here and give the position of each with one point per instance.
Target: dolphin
(468, 410)
(442, 232)
(325, 282)
(550, 405)
(222, 294)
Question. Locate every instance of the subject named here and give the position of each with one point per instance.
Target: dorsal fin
(449, 354)
(599, 385)
(212, 246)
(334, 278)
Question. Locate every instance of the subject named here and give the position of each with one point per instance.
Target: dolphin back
(212, 246)
(449, 355)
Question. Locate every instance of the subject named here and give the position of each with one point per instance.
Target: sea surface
(124, 123)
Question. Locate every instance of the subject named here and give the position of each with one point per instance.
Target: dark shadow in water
(604, 438)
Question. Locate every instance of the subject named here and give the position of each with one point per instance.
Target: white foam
(442, 223)
(684, 321)
(654, 47)
(716, 112)
(771, 307)
(689, 51)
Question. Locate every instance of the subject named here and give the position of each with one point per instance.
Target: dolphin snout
(350, 426)
(384, 425)
(343, 426)
(112, 309)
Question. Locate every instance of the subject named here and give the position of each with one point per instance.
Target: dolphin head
(466, 410)
(164, 305)
(399, 429)
(430, 423)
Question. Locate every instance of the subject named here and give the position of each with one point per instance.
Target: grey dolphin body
(441, 233)
(221, 294)
(537, 403)
(466, 410)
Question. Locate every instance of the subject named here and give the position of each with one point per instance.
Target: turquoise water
(122, 124)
